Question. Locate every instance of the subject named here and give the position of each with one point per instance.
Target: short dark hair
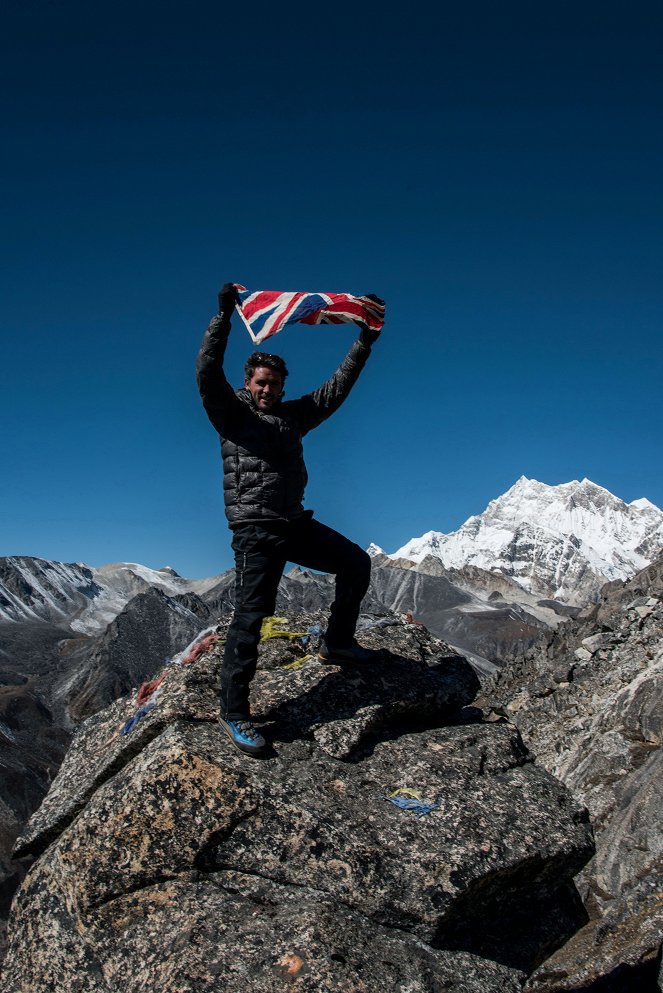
(265, 360)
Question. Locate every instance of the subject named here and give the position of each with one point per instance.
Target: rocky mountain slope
(561, 542)
(589, 704)
(485, 615)
(168, 861)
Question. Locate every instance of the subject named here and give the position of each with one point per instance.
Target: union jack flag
(266, 312)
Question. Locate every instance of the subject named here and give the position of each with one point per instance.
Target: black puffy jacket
(264, 474)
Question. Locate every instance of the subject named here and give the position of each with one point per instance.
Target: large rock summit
(388, 840)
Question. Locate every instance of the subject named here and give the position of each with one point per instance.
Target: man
(264, 477)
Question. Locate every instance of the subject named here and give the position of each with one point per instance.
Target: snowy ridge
(33, 589)
(561, 541)
(74, 594)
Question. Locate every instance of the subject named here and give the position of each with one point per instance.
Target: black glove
(227, 298)
(368, 336)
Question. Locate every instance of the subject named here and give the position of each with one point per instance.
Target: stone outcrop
(73, 640)
(590, 706)
(165, 860)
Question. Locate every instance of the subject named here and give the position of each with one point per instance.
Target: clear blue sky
(494, 171)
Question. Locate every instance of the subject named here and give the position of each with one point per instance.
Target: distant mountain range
(562, 542)
(536, 555)
(86, 599)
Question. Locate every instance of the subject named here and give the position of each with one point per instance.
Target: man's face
(265, 386)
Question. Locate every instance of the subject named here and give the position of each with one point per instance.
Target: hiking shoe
(354, 654)
(244, 736)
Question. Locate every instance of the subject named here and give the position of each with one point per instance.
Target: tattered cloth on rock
(266, 312)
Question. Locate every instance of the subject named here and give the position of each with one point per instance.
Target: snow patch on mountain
(560, 541)
(38, 589)
(83, 598)
(644, 504)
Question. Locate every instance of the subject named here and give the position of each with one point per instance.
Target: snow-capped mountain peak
(560, 541)
(646, 506)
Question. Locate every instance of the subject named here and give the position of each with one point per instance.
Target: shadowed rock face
(168, 861)
(590, 705)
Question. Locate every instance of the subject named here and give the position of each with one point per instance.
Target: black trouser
(260, 557)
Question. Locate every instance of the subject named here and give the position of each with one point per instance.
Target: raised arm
(218, 396)
(316, 407)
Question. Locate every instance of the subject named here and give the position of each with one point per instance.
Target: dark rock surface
(590, 706)
(168, 861)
